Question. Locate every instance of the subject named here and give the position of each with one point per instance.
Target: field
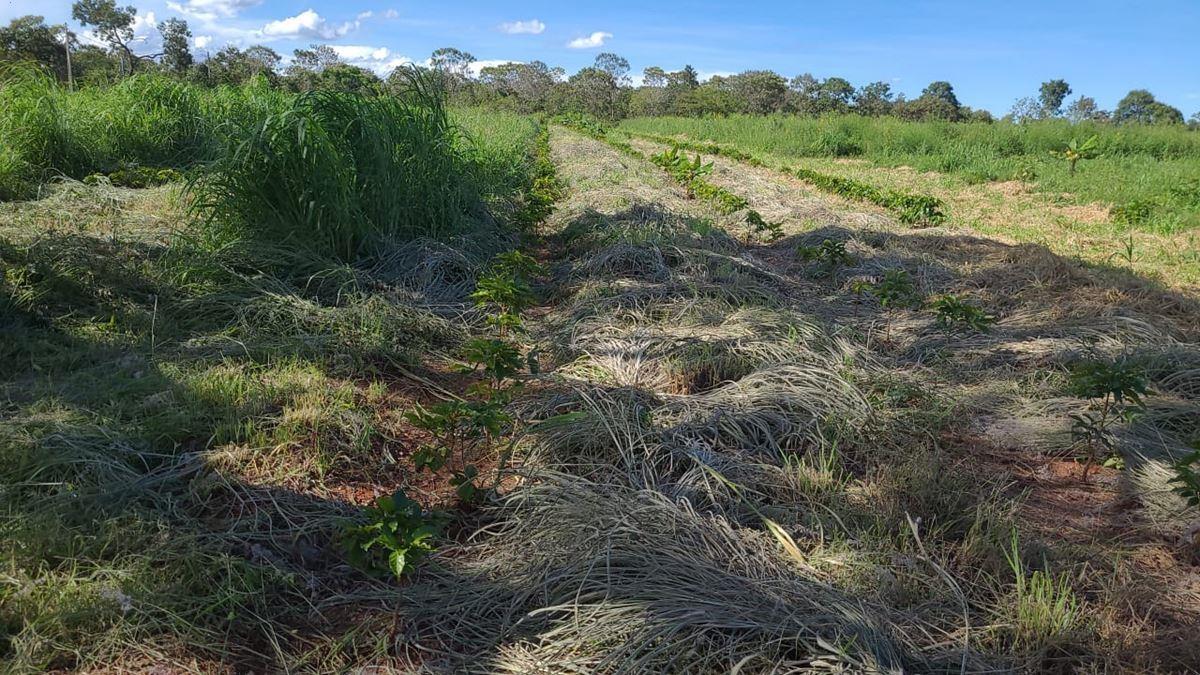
(367, 383)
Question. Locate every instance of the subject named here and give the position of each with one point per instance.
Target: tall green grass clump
(336, 174)
(143, 121)
(31, 130)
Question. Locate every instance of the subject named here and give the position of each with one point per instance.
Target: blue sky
(991, 52)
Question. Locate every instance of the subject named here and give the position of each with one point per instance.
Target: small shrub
(954, 313)
(1115, 389)
(896, 289)
(1135, 212)
(1186, 480)
(397, 533)
(1026, 172)
(829, 255)
(1075, 151)
(497, 359)
(756, 225)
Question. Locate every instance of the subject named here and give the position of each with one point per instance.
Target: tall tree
(528, 85)
(231, 65)
(684, 80)
(937, 101)
(874, 99)
(1084, 108)
(177, 56)
(1027, 108)
(805, 92)
(1051, 97)
(1139, 106)
(28, 38)
(315, 59)
(654, 77)
(617, 69)
(834, 94)
(112, 24)
(614, 65)
(942, 91)
(759, 92)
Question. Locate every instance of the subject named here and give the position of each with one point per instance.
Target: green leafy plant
(1075, 151)
(954, 314)
(459, 429)
(910, 209)
(896, 289)
(1186, 480)
(463, 482)
(136, 177)
(756, 225)
(861, 288)
(516, 264)
(1133, 212)
(829, 255)
(497, 359)
(397, 533)
(507, 285)
(545, 188)
(1116, 389)
(508, 292)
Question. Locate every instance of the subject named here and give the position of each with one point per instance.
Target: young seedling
(495, 358)
(1075, 151)
(1115, 389)
(861, 288)
(1187, 480)
(829, 255)
(397, 533)
(956, 314)
(506, 285)
(757, 225)
(687, 172)
(896, 289)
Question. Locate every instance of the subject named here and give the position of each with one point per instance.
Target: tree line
(605, 89)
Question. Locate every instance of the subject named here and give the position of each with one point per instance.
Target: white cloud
(596, 39)
(364, 15)
(307, 24)
(361, 52)
(202, 41)
(379, 60)
(478, 66)
(531, 27)
(391, 14)
(208, 10)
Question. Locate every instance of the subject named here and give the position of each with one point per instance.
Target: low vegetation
(1150, 165)
(310, 372)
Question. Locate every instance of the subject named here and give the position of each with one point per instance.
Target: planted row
(690, 174)
(545, 188)
(705, 148)
(910, 209)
